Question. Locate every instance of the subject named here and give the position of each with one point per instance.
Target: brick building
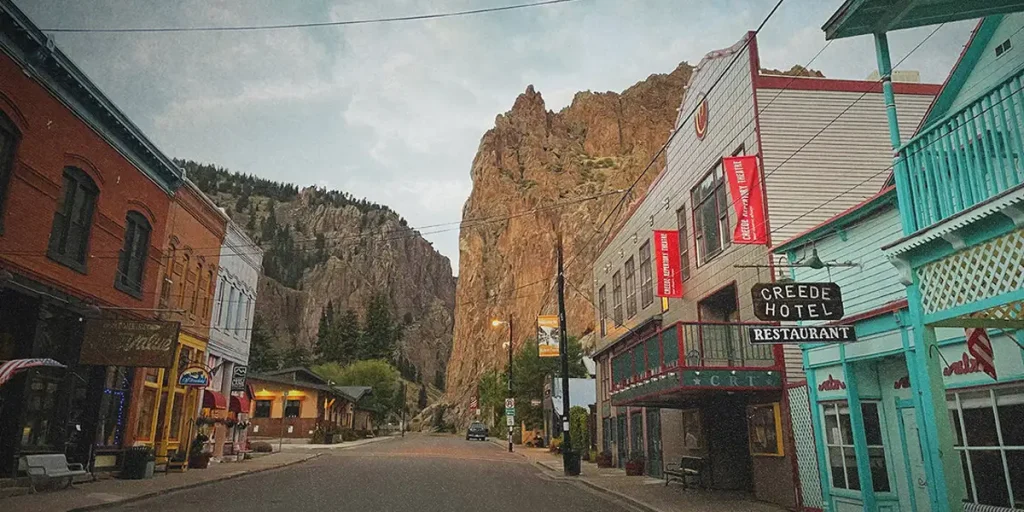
(84, 197)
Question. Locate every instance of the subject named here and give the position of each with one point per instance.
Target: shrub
(604, 459)
(262, 447)
(556, 445)
(578, 432)
(348, 435)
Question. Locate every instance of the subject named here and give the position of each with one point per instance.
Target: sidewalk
(107, 492)
(645, 492)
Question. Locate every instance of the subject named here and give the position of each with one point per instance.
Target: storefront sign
(124, 342)
(666, 256)
(700, 118)
(769, 334)
(787, 302)
(194, 376)
(744, 176)
(238, 378)
(902, 383)
(962, 366)
(732, 378)
(547, 335)
(831, 384)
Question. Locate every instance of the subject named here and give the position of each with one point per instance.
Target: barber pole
(980, 346)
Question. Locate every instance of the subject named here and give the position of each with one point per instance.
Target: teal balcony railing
(967, 157)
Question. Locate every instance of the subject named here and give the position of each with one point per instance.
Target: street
(420, 472)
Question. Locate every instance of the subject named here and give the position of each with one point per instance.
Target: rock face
(552, 172)
(366, 250)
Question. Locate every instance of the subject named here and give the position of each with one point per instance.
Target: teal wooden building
(904, 418)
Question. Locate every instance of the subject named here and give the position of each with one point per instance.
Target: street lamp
(497, 323)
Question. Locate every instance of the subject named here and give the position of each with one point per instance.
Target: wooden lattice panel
(1013, 311)
(976, 273)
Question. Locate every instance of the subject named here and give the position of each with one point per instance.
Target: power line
(284, 26)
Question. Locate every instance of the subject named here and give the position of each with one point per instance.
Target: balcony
(690, 356)
(966, 158)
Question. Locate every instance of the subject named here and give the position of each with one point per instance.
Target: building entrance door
(917, 477)
(636, 435)
(621, 440)
(654, 443)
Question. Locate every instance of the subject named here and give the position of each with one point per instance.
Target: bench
(689, 467)
(51, 466)
(975, 507)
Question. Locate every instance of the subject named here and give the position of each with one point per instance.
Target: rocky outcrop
(550, 172)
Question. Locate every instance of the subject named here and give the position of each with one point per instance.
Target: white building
(231, 322)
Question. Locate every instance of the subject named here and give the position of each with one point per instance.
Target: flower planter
(635, 468)
(200, 461)
(604, 460)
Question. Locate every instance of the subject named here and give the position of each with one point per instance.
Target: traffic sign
(510, 420)
(510, 402)
(510, 411)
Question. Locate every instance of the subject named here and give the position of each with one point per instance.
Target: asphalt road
(418, 473)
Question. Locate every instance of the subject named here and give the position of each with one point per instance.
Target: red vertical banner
(744, 175)
(980, 346)
(666, 257)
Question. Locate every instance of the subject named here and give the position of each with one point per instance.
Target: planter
(604, 460)
(635, 468)
(200, 461)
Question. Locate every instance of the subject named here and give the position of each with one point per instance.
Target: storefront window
(990, 438)
(41, 425)
(291, 409)
(179, 399)
(765, 429)
(839, 443)
(262, 409)
(693, 438)
(113, 406)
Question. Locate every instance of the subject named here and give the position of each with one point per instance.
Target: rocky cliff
(332, 247)
(549, 171)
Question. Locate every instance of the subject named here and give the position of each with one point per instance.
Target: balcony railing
(690, 345)
(969, 156)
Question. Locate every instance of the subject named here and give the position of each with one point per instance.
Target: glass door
(620, 441)
(654, 443)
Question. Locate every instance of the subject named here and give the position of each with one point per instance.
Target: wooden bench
(975, 507)
(689, 467)
(51, 466)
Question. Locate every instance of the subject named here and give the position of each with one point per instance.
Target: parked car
(477, 430)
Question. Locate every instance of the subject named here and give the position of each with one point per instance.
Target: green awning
(859, 17)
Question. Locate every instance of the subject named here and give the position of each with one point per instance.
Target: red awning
(240, 404)
(214, 400)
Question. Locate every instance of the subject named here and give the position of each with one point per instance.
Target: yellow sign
(547, 335)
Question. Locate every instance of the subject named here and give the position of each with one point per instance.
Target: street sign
(473, 404)
(773, 334)
(510, 420)
(510, 403)
(787, 302)
(510, 411)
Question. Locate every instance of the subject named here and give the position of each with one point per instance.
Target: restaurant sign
(194, 376)
(772, 334)
(125, 342)
(788, 302)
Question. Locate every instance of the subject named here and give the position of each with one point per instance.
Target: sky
(394, 112)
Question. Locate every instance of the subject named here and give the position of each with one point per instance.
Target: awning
(214, 400)
(240, 404)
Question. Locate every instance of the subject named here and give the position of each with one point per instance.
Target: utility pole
(510, 376)
(284, 407)
(567, 451)
(402, 426)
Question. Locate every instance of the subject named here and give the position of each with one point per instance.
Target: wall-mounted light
(651, 220)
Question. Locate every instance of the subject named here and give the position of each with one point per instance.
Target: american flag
(980, 346)
(9, 368)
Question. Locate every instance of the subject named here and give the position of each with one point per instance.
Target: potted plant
(635, 466)
(197, 458)
(604, 459)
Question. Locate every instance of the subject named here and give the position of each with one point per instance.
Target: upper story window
(219, 306)
(240, 313)
(646, 276)
(204, 299)
(132, 260)
(178, 273)
(168, 281)
(710, 215)
(602, 306)
(684, 243)
(617, 298)
(630, 288)
(9, 137)
(72, 222)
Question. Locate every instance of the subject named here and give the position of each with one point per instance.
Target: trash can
(572, 467)
(139, 463)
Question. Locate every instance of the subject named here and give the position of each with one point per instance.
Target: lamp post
(496, 323)
(284, 406)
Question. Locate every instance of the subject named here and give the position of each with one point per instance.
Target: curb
(162, 492)
(618, 495)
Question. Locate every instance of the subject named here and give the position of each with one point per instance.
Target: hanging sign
(238, 378)
(194, 376)
(772, 334)
(744, 176)
(785, 302)
(125, 342)
(666, 256)
(547, 335)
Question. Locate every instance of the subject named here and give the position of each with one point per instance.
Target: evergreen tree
(328, 344)
(349, 337)
(262, 356)
(381, 333)
(439, 380)
(297, 355)
(422, 400)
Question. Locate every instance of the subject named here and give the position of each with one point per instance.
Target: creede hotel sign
(787, 302)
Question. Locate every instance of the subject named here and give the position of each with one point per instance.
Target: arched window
(132, 262)
(9, 138)
(72, 222)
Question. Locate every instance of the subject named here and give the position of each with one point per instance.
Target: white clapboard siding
(810, 177)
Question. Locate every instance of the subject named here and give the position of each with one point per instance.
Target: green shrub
(578, 432)
(348, 435)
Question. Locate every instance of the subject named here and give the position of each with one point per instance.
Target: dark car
(477, 430)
